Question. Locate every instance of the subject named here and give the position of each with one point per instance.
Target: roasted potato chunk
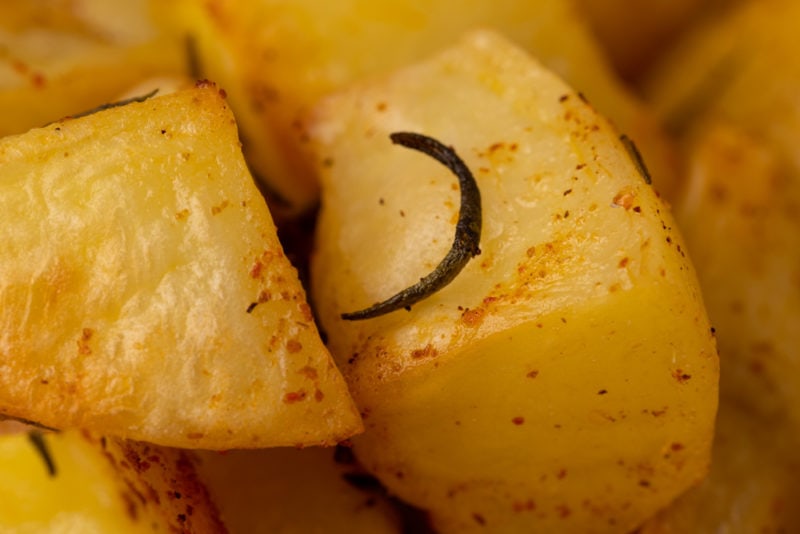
(100, 485)
(277, 57)
(143, 289)
(566, 380)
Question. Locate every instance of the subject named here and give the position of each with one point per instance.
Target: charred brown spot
(83, 342)
(473, 318)
(216, 210)
(681, 376)
(305, 311)
(624, 199)
(293, 346)
(524, 506)
(428, 351)
(309, 372)
(294, 396)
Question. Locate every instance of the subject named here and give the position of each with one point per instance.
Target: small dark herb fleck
(636, 156)
(467, 236)
(251, 307)
(37, 440)
(117, 104)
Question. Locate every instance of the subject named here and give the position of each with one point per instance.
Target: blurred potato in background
(60, 57)
(298, 491)
(275, 58)
(635, 33)
(728, 91)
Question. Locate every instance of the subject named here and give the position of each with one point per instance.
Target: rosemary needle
(37, 440)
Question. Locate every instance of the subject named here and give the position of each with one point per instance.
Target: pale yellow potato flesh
(277, 57)
(100, 486)
(566, 380)
(296, 491)
(143, 289)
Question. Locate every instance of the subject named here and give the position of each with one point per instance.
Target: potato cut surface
(143, 290)
(566, 380)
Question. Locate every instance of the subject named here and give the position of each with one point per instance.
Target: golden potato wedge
(566, 380)
(299, 491)
(275, 58)
(143, 290)
(100, 485)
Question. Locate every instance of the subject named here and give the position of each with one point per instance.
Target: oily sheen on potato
(566, 380)
(143, 290)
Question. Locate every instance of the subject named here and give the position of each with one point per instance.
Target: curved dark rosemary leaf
(468, 230)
